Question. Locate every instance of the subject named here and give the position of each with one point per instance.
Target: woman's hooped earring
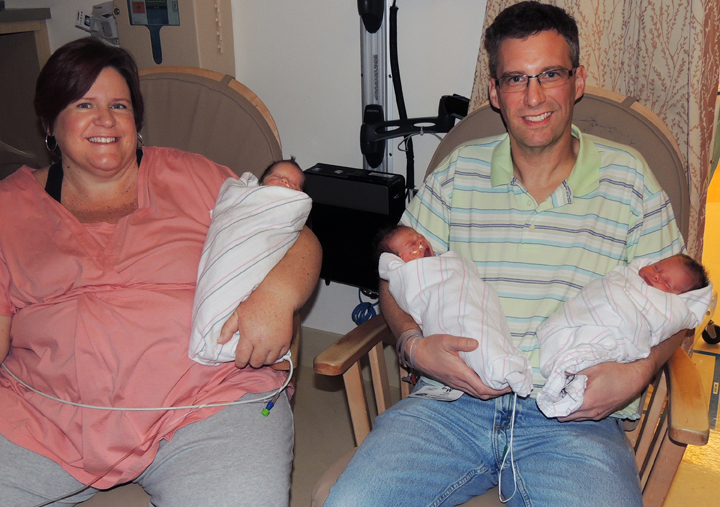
(50, 140)
(140, 140)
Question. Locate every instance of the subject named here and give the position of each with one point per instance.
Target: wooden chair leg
(381, 385)
(667, 463)
(357, 402)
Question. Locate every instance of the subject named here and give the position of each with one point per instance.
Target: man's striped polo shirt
(610, 210)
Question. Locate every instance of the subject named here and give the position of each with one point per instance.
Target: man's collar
(583, 179)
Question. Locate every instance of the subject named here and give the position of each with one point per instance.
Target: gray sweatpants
(234, 458)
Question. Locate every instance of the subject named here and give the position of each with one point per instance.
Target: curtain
(664, 53)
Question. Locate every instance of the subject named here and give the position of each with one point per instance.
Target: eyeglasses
(547, 79)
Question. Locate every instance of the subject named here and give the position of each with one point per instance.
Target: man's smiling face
(536, 117)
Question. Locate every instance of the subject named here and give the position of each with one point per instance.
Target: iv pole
(374, 56)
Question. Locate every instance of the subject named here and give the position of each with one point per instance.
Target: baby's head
(677, 274)
(405, 242)
(284, 173)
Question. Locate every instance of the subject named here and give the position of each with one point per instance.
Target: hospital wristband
(406, 345)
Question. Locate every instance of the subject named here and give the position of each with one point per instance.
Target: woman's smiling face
(96, 133)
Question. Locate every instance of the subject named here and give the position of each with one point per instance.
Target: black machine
(350, 206)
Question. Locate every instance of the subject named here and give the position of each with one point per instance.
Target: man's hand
(438, 357)
(610, 386)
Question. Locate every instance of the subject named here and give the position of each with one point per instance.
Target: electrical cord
(512, 459)
(147, 409)
(365, 310)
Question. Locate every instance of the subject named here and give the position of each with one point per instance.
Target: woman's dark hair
(524, 19)
(71, 71)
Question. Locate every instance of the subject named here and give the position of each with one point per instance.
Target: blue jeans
(431, 453)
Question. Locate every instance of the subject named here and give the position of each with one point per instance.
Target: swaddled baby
(445, 295)
(253, 226)
(619, 317)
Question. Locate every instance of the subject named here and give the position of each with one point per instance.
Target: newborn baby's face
(285, 175)
(668, 275)
(411, 245)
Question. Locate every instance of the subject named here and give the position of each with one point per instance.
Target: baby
(619, 317)
(285, 173)
(253, 225)
(445, 294)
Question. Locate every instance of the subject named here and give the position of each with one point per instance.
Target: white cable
(146, 409)
(186, 407)
(512, 460)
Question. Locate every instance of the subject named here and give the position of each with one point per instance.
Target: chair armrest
(350, 348)
(689, 422)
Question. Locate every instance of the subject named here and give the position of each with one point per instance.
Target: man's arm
(4, 337)
(611, 386)
(437, 355)
(265, 319)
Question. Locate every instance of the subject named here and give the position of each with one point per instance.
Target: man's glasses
(547, 79)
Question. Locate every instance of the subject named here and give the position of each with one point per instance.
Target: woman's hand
(4, 336)
(265, 319)
(438, 357)
(266, 329)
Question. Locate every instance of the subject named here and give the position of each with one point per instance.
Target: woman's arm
(611, 386)
(437, 355)
(265, 319)
(4, 337)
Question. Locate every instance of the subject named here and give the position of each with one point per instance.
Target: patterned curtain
(666, 54)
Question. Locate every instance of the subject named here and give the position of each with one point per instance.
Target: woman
(98, 261)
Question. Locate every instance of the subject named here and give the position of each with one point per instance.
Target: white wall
(61, 27)
(303, 61)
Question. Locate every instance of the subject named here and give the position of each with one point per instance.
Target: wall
(61, 27)
(303, 61)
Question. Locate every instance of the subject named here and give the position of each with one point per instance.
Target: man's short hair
(524, 19)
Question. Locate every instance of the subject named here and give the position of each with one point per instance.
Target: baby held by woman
(254, 223)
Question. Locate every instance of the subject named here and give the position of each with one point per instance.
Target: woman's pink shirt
(101, 316)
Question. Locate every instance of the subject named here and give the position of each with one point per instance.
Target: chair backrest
(203, 111)
(608, 115)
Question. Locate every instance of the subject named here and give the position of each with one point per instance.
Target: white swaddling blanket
(446, 295)
(252, 228)
(615, 318)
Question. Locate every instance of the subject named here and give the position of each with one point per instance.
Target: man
(542, 211)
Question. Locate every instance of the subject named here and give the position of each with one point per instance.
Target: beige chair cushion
(204, 112)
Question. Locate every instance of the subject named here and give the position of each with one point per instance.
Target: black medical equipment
(349, 207)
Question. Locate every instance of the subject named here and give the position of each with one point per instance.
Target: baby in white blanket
(619, 317)
(445, 295)
(253, 226)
